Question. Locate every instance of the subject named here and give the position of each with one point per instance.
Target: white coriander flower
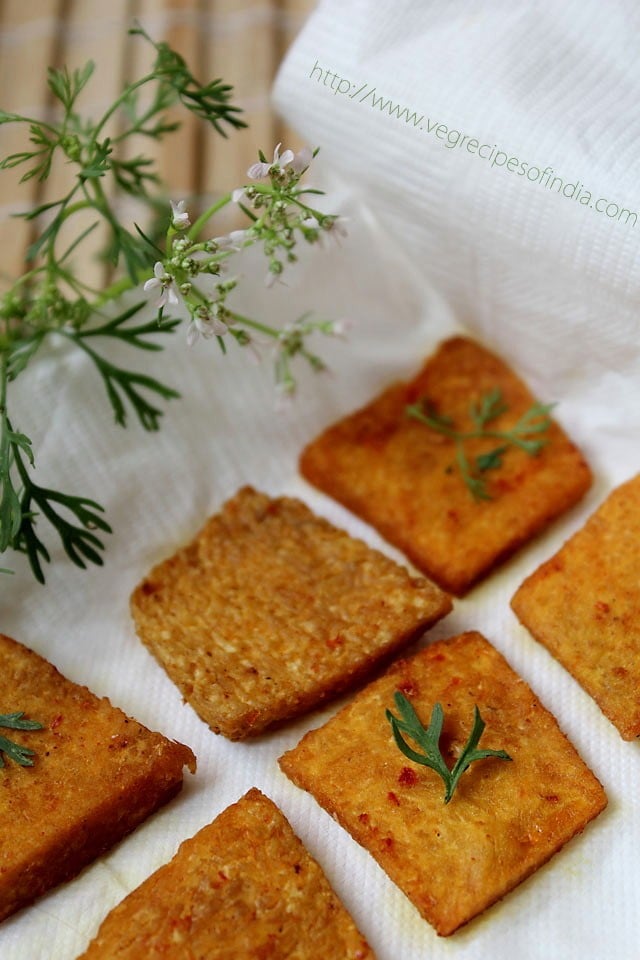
(219, 327)
(165, 283)
(297, 162)
(232, 241)
(259, 170)
(340, 328)
(179, 216)
(301, 160)
(205, 326)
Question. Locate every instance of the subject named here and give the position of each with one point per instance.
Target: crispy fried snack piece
(505, 819)
(402, 477)
(243, 887)
(583, 604)
(97, 774)
(271, 610)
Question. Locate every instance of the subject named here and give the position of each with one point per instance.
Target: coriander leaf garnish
(19, 754)
(429, 739)
(526, 434)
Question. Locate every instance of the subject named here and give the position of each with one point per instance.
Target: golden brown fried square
(271, 610)
(504, 820)
(584, 605)
(243, 887)
(96, 775)
(403, 479)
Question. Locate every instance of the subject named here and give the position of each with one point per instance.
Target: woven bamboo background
(242, 41)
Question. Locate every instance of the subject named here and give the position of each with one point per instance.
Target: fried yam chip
(243, 887)
(504, 820)
(271, 610)
(96, 775)
(584, 605)
(404, 478)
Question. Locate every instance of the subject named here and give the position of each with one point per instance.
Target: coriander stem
(471, 434)
(304, 206)
(114, 106)
(196, 227)
(494, 435)
(138, 126)
(15, 118)
(255, 325)
(78, 205)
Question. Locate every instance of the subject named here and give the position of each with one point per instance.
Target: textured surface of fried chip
(402, 477)
(97, 774)
(505, 818)
(583, 604)
(244, 887)
(271, 610)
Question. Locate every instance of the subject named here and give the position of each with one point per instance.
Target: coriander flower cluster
(194, 272)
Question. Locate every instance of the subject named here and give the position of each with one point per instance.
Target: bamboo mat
(242, 41)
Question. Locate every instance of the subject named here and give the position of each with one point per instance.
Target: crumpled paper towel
(495, 145)
(440, 240)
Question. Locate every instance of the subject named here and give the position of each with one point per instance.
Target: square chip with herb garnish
(520, 793)
(271, 610)
(583, 604)
(83, 777)
(243, 887)
(457, 468)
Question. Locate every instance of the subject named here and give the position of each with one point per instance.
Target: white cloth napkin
(439, 239)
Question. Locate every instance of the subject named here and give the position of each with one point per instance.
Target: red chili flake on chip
(334, 642)
(408, 777)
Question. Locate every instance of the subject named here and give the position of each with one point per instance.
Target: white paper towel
(439, 238)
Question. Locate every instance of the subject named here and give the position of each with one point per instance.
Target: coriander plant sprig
(19, 754)
(187, 273)
(526, 434)
(428, 739)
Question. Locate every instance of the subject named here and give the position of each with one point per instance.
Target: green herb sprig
(526, 434)
(19, 754)
(428, 739)
(170, 259)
